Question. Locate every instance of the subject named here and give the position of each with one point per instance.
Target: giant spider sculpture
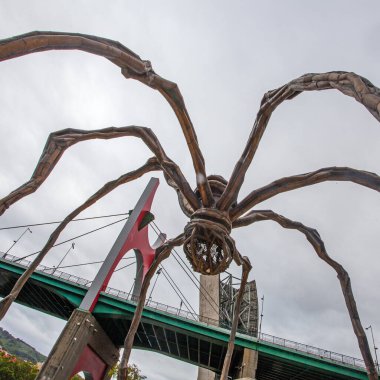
(213, 207)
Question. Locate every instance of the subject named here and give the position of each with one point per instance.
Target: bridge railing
(48, 270)
(315, 351)
(325, 354)
(169, 309)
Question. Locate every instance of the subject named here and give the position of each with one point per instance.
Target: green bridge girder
(186, 340)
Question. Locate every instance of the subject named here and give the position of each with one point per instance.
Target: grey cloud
(224, 56)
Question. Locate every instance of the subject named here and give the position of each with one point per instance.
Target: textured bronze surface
(213, 207)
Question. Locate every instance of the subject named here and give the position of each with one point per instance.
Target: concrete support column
(208, 307)
(82, 346)
(248, 365)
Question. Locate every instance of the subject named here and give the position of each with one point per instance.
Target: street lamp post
(17, 240)
(157, 274)
(63, 258)
(374, 346)
(261, 315)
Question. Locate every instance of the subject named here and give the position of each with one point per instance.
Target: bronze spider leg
(151, 165)
(59, 141)
(246, 268)
(348, 83)
(315, 240)
(55, 146)
(360, 177)
(162, 253)
(367, 179)
(132, 66)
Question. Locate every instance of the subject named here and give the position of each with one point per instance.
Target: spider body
(208, 245)
(213, 207)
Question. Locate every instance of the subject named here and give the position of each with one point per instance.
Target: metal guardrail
(315, 351)
(48, 270)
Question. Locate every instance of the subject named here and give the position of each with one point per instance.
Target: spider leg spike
(151, 165)
(349, 84)
(162, 253)
(315, 240)
(59, 141)
(360, 177)
(231, 343)
(131, 65)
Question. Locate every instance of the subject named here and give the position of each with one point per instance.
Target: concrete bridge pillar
(209, 302)
(82, 346)
(208, 308)
(248, 365)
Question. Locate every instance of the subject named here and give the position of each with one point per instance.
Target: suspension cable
(155, 228)
(199, 286)
(204, 292)
(179, 296)
(185, 265)
(73, 238)
(187, 270)
(74, 220)
(177, 290)
(93, 262)
(125, 266)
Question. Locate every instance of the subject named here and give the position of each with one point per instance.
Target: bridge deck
(175, 332)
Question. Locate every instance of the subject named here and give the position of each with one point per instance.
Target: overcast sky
(224, 55)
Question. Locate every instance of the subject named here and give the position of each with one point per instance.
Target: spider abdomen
(208, 245)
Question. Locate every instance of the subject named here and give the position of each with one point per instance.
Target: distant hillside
(19, 348)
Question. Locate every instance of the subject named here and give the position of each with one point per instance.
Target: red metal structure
(82, 344)
(134, 235)
(91, 364)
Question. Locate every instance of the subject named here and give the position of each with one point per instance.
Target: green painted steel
(219, 334)
(116, 307)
